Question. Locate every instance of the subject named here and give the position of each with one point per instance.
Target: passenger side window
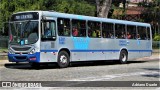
(78, 28)
(63, 27)
(94, 29)
(131, 32)
(107, 30)
(142, 35)
(120, 32)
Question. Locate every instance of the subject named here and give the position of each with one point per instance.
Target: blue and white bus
(47, 36)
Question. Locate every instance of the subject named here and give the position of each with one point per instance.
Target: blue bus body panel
(24, 57)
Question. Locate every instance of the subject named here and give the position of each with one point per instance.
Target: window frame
(119, 31)
(135, 34)
(72, 26)
(108, 23)
(100, 29)
(148, 34)
(144, 38)
(69, 26)
(52, 38)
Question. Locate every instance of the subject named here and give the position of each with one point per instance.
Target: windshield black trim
(19, 43)
(23, 16)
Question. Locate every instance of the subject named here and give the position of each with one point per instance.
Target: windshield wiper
(26, 25)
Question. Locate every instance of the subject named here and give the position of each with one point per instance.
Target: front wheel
(63, 59)
(35, 65)
(123, 57)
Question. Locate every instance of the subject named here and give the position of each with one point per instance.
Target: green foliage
(140, 20)
(3, 49)
(74, 7)
(8, 7)
(156, 37)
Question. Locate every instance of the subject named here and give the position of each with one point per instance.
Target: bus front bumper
(24, 57)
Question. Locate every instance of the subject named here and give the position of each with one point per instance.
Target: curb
(3, 57)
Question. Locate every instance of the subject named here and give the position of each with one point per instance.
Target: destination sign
(25, 16)
(29, 16)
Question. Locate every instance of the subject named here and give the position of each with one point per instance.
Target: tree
(8, 7)
(152, 14)
(75, 7)
(103, 7)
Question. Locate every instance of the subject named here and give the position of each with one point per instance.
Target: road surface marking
(108, 77)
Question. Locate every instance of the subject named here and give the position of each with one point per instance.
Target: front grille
(21, 53)
(21, 57)
(21, 48)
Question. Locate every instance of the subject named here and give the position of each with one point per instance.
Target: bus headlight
(32, 51)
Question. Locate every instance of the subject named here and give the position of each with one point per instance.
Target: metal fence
(156, 44)
(3, 41)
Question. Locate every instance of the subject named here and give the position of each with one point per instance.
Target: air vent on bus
(21, 48)
(21, 57)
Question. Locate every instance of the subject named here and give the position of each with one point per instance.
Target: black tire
(35, 65)
(63, 59)
(123, 57)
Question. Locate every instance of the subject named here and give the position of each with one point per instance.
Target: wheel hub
(124, 57)
(63, 59)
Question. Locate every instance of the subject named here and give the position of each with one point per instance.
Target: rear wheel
(63, 59)
(123, 57)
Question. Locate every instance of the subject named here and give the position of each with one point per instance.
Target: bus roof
(90, 18)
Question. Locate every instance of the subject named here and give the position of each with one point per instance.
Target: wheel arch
(65, 49)
(63, 63)
(123, 57)
(125, 49)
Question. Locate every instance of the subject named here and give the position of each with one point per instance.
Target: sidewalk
(155, 56)
(3, 54)
(156, 51)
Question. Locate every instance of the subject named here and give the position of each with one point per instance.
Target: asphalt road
(144, 69)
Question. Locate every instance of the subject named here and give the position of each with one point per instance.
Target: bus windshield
(23, 32)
